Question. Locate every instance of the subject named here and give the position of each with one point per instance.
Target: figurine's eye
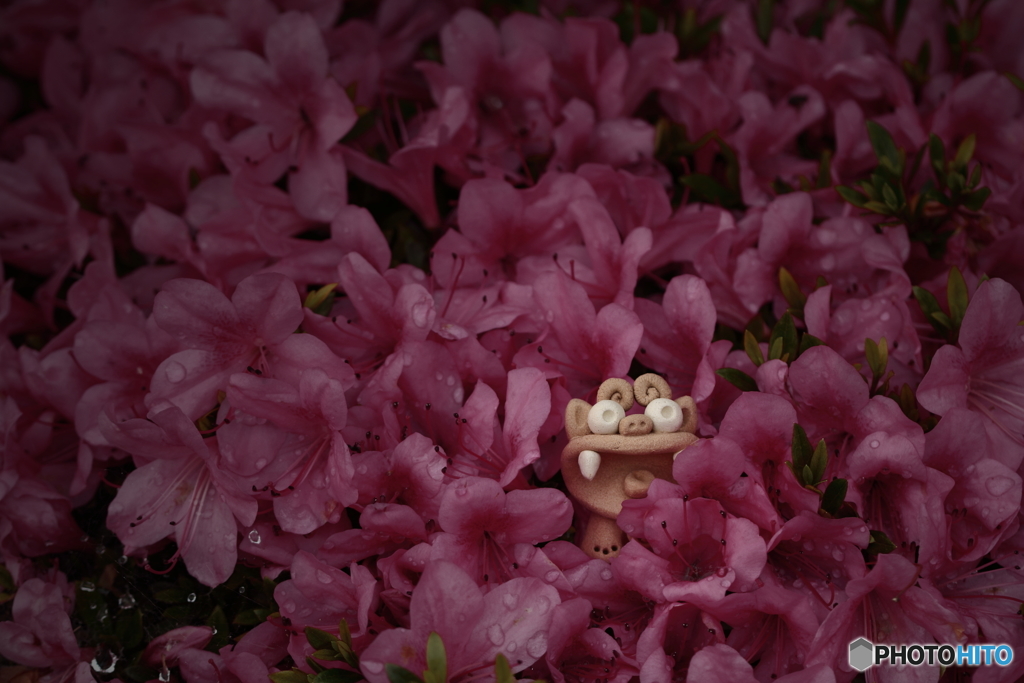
(665, 413)
(604, 417)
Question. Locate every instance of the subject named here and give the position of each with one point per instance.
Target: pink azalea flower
(986, 496)
(980, 372)
(513, 619)
(221, 337)
(482, 523)
(247, 660)
(40, 633)
(178, 490)
(697, 550)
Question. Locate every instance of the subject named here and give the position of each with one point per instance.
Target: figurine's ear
(576, 418)
(689, 408)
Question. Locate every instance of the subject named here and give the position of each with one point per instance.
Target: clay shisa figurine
(612, 456)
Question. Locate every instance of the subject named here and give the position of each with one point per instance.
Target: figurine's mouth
(602, 470)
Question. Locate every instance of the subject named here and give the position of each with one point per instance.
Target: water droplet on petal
(289, 607)
(323, 577)
(885, 316)
(254, 537)
(838, 555)
(261, 463)
(874, 443)
(372, 667)
(551, 576)
(165, 674)
(191, 597)
(537, 645)
(126, 601)
(828, 262)
(495, 634)
(512, 645)
(606, 574)
(174, 372)
(808, 545)
(997, 486)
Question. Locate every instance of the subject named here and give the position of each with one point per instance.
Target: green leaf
(977, 199)
(877, 356)
(775, 349)
(752, 348)
(819, 460)
(851, 195)
(890, 197)
(879, 543)
(926, 300)
(943, 320)
(884, 146)
(738, 378)
(710, 190)
(291, 676)
(314, 300)
(320, 640)
(399, 674)
(801, 448)
(437, 659)
(956, 295)
(326, 655)
(6, 580)
(965, 152)
(835, 494)
(899, 16)
(337, 676)
(784, 330)
(807, 476)
(314, 665)
(809, 340)
(765, 19)
(791, 291)
(218, 621)
(129, 630)
(502, 670)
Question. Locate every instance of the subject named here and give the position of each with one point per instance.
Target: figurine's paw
(603, 552)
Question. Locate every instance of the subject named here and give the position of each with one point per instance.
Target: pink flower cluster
(190, 290)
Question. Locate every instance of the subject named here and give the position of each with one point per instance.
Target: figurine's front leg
(603, 538)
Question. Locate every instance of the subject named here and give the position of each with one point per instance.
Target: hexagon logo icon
(861, 654)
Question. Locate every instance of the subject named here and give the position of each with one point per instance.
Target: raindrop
(261, 463)
(837, 554)
(323, 577)
(123, 560)
(495, 634)
(551, 576)
(126, 601)
(997, 486)
(254, 537)
(606, 574)
(874, 443)
(885, 316)
(174, 372)
(191, 597)
(461, 491)
(537, 645)
(241, 589)
(509, 600)
(87, 586)
(512, 645)
(165, 674)
(104, 662)
(828, 262)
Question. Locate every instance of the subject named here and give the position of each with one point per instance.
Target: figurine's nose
(636, 425)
